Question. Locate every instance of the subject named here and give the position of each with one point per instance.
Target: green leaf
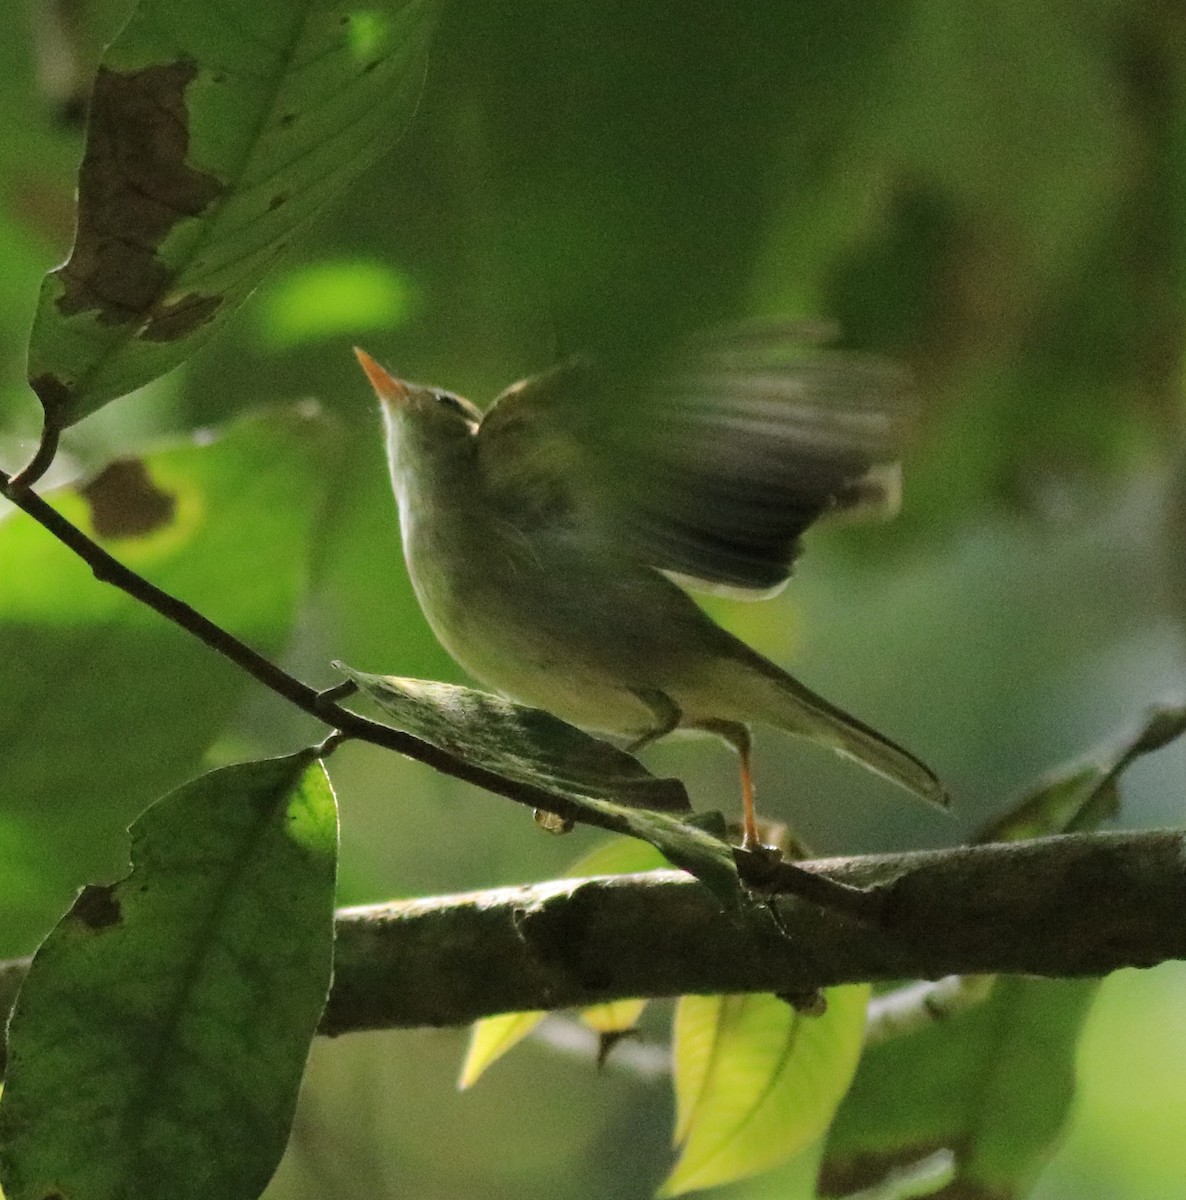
(588, 779)
(756, 1081)
(1080, 797)
(159, 1039)
(617, 856)
(108, 705)
(215, 132)
(992, 1085)
(491, 1038)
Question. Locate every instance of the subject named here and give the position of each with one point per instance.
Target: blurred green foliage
(994, 193)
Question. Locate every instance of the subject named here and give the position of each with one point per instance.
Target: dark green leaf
(992, 1086)
(215, 132)
(592, 781)
(159, 1039)
(518, 742)
(1080, 797)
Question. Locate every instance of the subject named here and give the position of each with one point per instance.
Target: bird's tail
(768, 694)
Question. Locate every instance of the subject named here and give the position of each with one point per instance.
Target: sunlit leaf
(491, 1038)
(226, 523)
(159, 1039)
(215, 132)
(756, 1081)
(619, 1016)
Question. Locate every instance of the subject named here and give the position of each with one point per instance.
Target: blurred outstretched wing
(716, 468)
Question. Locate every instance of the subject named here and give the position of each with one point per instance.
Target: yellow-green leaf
(619, 1016)
(618, 856)
(490, 1039)
(756, 1081)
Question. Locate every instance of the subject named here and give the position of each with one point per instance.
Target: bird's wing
(536, 447)
(724, 457)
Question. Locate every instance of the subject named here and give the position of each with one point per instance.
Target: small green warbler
(546, 540)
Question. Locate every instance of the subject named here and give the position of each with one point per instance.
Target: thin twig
(37, 466)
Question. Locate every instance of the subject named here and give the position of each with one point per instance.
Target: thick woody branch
(1083, 904)
(1062, 906)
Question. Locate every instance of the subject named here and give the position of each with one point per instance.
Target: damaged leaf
(209, 142)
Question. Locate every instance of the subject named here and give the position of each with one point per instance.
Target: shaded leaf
(491, 1038)
(214, 133)
(992, 1084)
(756, 1081)
(522, 743)
(159, 1039)
(590, 780)
(227, 524)
(1080, 797)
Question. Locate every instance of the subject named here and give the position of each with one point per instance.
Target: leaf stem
(45, 454)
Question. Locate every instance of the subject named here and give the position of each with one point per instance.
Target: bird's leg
(667, 716)
(737, 735)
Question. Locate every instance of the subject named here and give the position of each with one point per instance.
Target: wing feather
(711, 470)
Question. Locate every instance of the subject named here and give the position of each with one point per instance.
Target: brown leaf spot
(125, 502)
(169, 322)
(97, 907)
(134, 187)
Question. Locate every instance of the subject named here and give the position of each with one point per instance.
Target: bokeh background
(993, 193)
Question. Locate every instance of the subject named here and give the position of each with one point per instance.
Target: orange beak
(389, 389)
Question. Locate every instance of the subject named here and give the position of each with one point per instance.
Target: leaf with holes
(215, 132)
(756, 1081)
(159, 1039)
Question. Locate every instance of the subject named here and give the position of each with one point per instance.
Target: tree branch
(1082, 904)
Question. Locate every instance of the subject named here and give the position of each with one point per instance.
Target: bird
(550, 539)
